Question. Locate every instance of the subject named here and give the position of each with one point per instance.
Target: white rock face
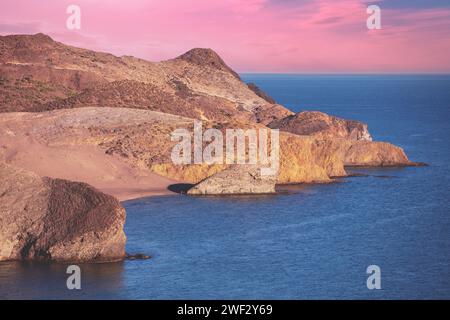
(237, 179)
(364, 134)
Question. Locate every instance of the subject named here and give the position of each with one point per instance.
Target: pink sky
(251, 35)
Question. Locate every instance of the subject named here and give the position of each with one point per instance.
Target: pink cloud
(251, 35)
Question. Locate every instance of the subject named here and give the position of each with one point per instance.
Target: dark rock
(55, 219)
(260, 93)
(137, 256)
(322, 125)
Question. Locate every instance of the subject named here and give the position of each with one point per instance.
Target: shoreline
(124, 194)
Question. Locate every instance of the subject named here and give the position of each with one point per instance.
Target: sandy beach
(84, 163)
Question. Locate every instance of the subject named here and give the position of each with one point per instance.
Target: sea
(307, 242)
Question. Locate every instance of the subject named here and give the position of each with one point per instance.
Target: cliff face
(73, 114)
(54, 219)
(114, 142)
(370, 154)
(304, 160)
(322, 126)
(95, 95)
(260, 93)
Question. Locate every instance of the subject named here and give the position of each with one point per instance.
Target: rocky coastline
(82, 130)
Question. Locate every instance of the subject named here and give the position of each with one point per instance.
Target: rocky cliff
(54, 219)
(71, 114)
(322, 126)
(121, 146)
(95, 99)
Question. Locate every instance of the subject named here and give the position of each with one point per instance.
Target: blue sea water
(309, 241)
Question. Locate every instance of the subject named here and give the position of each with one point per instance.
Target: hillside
(89, 116)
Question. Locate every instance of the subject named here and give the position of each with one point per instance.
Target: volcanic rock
(322, 126)
(124, 151)
(260, 93)
(60, 220)
(206, 57)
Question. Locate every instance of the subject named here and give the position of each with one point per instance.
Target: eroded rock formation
(122, 148)
(54, 219)
(322, 126)
(236, 179)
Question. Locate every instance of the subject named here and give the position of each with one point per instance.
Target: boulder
(59, 220)
(236, 179)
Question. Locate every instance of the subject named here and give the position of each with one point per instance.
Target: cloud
(253, 35)
(412, 4)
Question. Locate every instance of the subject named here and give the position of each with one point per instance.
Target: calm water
(308, 242)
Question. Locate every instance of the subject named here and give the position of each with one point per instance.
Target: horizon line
(345, 73)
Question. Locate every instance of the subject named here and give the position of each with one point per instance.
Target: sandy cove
(126, 152)
(106, 121)
(29, 141)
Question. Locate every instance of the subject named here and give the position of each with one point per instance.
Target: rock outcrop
(304, 159)
(268, 113)
(125, 151)
(60, 220)
(322, 126)
(257, 90)
(207, 57)
(368, 153)
(236, 179)
(123, 148)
